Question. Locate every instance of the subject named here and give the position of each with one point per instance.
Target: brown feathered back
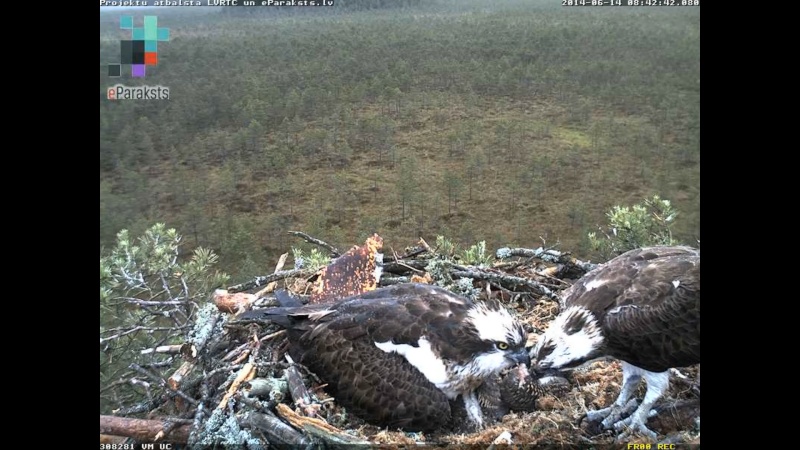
(647, 302)
(338, 343)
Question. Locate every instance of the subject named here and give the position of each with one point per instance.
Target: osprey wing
(399, 314)
(639, 277)
(381, 387)
(648, 304)
(338, 342)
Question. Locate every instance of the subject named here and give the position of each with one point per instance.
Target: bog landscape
(500, 150)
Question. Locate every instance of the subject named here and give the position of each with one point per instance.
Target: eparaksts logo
(121, 92)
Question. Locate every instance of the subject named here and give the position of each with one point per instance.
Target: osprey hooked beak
(520, 356)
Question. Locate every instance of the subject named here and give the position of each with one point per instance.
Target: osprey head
(501, 339)
(573, 338)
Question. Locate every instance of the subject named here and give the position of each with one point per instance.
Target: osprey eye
(502, 346)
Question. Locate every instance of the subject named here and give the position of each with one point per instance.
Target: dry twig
(275, 430)
(259, 281)
(317, 427)
(312, 240)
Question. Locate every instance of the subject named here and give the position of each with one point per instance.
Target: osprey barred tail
(395, 356)
(642, 307)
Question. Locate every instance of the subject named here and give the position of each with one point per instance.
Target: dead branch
(145, 430)
(425, 245)
(226, 369)
(233, 302)
(410, 253)
(200, 412)
(161, 382)
(272, 335)
(405, 266)
(508, 281)
(262, 387)
(138, 408)
(312, 240)
(387, 281)
(548, 255)
(552, 273)
(275, 430)
(317, 427)
(235, 352)
(299, 391)
(246, 373)
(168, 349)
(271, 286)
(174, 381)
(132, 330)
(139, 302)
(256, 404)
(257, 282)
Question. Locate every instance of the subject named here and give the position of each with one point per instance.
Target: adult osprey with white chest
(642, 307)
(395, 356)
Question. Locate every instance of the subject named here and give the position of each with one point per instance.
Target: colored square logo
(126, 52)
(137, 70)
(150, 27)
(141, 49)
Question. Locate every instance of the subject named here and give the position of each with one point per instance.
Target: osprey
(642, 307)
(395, 356)
(518, 390)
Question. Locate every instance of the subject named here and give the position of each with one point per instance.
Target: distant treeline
(510, 122)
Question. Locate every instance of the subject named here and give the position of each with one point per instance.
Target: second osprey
(395, 356)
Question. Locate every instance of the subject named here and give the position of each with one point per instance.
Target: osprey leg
(657, 384)
(631, 376)
(473, 407)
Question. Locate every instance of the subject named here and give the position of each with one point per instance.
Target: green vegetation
(476, 255)
(313, 261)
(642, 225)
(149, 293)
(500, 122)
